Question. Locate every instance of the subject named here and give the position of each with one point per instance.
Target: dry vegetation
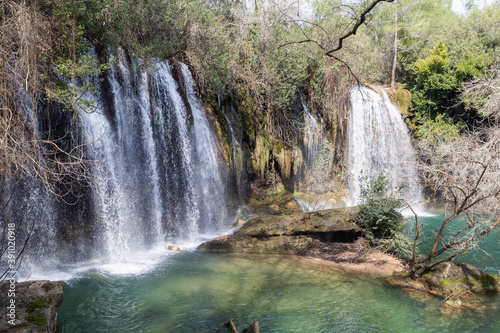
(27, 39)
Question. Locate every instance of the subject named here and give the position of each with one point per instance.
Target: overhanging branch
(359, 22)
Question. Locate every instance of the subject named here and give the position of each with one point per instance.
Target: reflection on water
(197, 292)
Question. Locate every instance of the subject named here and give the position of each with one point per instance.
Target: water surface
(197, 292)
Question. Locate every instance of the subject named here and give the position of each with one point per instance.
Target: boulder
(321, 222)
(36, 306)
(172, 248)
(280, 244)
(292, 205)
(454, 277)
(289, 233)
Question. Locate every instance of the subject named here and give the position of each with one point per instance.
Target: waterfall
(312, 136)
(160, 177)
(379, 143)
(210, 194)
(156, 176)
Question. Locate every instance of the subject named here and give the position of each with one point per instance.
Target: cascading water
(160, 177)
(211, 197)
(312, 136)
(317, 156)
(379, 143)
(156, 177)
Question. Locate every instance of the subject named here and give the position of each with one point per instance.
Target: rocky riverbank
(30, 306)
(333, 237)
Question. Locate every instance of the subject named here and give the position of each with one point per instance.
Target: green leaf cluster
(380, 218)
(434, 82)
(379, 215)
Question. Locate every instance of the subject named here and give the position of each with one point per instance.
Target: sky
(458, 5)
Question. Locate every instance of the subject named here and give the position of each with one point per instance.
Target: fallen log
(254, 328)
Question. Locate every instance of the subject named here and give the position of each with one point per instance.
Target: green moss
(487, 279)
(246, 114)
(401, 98)
(39, 304)
(447, 282)
(36, 318)
(278, 147)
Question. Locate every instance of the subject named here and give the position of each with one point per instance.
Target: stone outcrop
(453, 277)
(289, 233)
(36, 306)
(449, 278)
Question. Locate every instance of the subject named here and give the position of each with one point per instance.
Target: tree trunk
(395, 60)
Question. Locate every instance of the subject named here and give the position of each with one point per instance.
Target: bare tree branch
(361, 19)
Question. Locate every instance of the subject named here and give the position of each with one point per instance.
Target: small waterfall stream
(379, 143)
(312, 136)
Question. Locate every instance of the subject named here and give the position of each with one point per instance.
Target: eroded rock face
(36, 306)
(289, 233)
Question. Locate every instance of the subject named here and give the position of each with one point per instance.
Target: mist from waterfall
(379, 143)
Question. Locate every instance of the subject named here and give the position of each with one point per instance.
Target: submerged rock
(289, 233)
(35, 306)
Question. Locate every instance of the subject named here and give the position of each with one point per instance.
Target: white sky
(459, 8)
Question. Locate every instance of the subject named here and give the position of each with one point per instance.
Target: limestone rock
(289, 233)
(326, 221)
(172, 248)
(36, 306)
(239, 223)
(281, 244)
(453, 277)
(293, 206)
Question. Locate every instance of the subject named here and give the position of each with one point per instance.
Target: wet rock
(326, 221)
(172, 248)
(280, 244)
(36, 305)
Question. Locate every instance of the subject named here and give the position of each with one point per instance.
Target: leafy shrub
(379, 215)
(380, 218)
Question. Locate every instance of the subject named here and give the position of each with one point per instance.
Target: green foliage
(70, 94)
(436, 63)
(379, 216)
(439, 130)
(399, 244)
(434, 83)
(470, 68)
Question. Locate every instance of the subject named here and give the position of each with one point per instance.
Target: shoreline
(375, 264)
